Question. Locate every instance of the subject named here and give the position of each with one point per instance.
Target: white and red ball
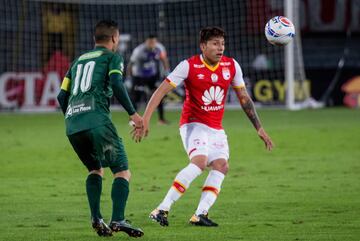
(279, 30)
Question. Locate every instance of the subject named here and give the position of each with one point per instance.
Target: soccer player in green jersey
(84, 98)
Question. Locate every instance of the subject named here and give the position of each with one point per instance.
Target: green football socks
(119, 195)
(93, 190)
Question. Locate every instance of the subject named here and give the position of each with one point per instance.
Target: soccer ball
(279, 30)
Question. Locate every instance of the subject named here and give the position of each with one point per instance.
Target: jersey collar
(212, 68)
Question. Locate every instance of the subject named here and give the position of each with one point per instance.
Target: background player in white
(207, 78)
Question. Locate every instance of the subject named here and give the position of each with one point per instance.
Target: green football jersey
(88, 82)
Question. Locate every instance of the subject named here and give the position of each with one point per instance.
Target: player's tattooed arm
(248, 106)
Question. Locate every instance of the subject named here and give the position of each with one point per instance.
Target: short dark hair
(208, 33)
(104, 30)
(151, 36)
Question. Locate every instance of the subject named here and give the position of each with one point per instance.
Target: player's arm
(121, 93)
(64, 94)
(122, 96)
(63, 99)
(249, 108)
(116, 81)
(116, 69)
(164, 88)
(174, 79)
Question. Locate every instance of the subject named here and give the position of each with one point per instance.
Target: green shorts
(100, 147)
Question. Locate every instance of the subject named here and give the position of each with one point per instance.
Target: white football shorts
(199, 139)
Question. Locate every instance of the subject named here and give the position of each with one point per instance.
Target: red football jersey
(206, 88)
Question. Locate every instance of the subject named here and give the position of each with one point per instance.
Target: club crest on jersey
(214, 77)
(226, 73)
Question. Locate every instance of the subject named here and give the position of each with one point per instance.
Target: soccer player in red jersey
(207, 78)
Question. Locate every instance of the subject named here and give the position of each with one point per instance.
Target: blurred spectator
(58, 30)
(148, 65)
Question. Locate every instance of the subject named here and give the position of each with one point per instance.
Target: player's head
(212, 43)
(107, 34)
(151, 41)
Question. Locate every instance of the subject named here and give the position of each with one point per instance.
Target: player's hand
(266, 139)
(137, 134)
(138, 127)
(146, 127)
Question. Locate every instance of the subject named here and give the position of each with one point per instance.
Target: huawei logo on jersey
(213, 94)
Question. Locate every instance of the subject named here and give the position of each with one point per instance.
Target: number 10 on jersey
(83, 77)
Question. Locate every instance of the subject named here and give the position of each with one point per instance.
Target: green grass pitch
(307, 189)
